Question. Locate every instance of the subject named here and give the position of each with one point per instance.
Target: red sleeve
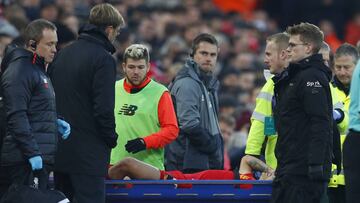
(168, 124)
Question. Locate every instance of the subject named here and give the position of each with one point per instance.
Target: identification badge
(269, 127)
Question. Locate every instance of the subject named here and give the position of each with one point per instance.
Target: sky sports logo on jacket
(128, 110)
(313, 84)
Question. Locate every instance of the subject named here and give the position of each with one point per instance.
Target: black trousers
(81, 188)
(337, 194)
(352, 166)
(298, 189)
(5, 180)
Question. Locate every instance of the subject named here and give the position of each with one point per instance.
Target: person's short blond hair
(136, 52)
(280, 39)
(103, 15)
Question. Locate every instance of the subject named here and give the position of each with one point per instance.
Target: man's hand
(111, 141)
(135, 145)
(36, 163)
(63, 128)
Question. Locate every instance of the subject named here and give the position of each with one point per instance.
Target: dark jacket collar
(191, 69)
(336, 82)
(13, 53)
(95, 34)
(313, 61)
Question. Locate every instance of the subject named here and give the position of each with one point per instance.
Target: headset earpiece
(192, 51)
(33, 44)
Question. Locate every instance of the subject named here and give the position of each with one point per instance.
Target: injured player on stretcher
(135, 169)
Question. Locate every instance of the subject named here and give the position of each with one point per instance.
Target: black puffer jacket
(303, 118)
(29, 102)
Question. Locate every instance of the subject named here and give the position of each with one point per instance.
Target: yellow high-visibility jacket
(256, 135)
(340, 179)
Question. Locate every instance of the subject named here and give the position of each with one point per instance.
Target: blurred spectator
(328, 55)
(146, 33)
(247, 101)
(6, 29)
(124, 40)
(16, 15)
(67, 6)
(32, 8)
(173, 46)
(190, 32)
(71, 22)
(225, 47)
(227, 126)
(244, 7)
(227, 105)
(49, 10)
(66, 36)
(247, 79)
(330, 35)
(352, 35)
(172, 71)
(244, 61)
(229, 82)
(7, 34)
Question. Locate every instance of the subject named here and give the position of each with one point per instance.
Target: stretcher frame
(201, 191)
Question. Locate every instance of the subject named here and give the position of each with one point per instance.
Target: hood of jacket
(13, 53)
(191, 69)
(94, 34)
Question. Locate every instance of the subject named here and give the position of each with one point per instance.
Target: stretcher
(201, 191)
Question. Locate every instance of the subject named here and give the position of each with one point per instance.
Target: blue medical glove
(36, 163)
(337, 115)
(63, 128)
